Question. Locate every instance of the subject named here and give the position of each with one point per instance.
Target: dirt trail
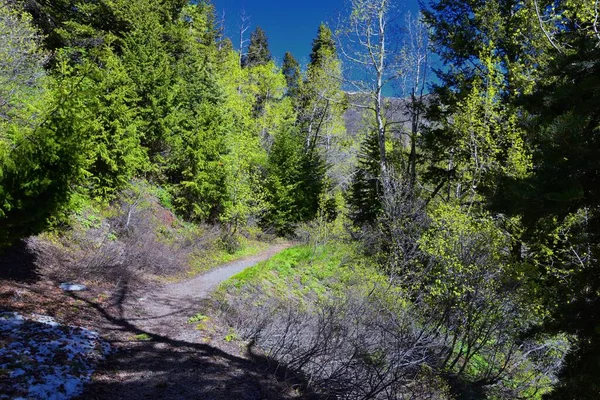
(165, 311)
(178, 361)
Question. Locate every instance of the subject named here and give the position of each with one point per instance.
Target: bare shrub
(138, 238)
(352, 347)
(402, 223)
(453, 312)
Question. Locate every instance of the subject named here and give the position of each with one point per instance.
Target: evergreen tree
(291, 71)
(295, 190)
(549, 89)
(42, 145)
(559, 205)
(295, 183)
(464, 30)
(258, 49)
(84, 25)
(195, 142)
(323, 47)
(364, 194)
(116, 154)
(149, 62)
(487, 70)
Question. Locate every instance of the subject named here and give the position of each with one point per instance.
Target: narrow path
(166, 311)
(178, 361)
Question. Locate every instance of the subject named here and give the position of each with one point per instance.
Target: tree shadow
(462, 389)
(17, 264)
(154, 366)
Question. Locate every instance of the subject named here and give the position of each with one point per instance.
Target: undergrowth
(134, 238)
(305, 273)
(326, 311)
(330, 315)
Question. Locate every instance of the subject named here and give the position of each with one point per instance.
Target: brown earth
(158, 354)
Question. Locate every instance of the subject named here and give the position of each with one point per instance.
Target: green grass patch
(197, 318)
(204, 261)
(304, 272)
(143, 337)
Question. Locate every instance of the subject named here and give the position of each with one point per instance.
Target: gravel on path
(164, 357)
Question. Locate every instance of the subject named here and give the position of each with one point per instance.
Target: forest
(438, 172)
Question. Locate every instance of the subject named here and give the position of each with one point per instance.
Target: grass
(306, 273)
(143, 337)
(197, 318)
(204, 261)
(316, 275)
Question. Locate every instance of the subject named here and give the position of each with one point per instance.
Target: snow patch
(72, 287)
(44, 359)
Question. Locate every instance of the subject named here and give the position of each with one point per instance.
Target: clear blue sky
(290, 25)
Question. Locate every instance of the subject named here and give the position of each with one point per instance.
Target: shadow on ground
(17, 264)
(159, 367)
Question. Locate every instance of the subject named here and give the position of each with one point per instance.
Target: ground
(165, 346)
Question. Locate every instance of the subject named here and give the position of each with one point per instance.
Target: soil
(158, 353)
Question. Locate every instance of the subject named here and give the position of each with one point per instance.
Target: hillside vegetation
(448, 233)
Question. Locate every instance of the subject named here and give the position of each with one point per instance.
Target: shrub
(133, 238)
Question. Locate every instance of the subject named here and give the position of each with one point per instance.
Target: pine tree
(198, 126)
(559, 205)
(323, 46)
(42, 145)
(364, 195)
(295, 183)
(258, 49)
(291, 71)
(116, 154)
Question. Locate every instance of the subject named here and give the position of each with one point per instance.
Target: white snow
(72, 287)
(44, 359)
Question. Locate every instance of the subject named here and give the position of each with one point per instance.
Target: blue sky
(290, 25)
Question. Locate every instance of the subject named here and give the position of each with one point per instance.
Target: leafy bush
(42, 147)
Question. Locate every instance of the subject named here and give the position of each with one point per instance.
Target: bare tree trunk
(379, 111)
(244, 26)
(364, 43)
(414, 128)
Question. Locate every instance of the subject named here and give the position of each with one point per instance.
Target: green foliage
(291, 71)
(462, 32)
(42, 144)
(149, 62)
(303, 273)
(231, 336)
(295, 182)
(116, 155)
(483, 135)
(158, 96)
(299, 159)
(246, 91)
(321, 105)
(135, 88)
(258, 49)
(197, 318)
(195, 172)
(486, 303)
(544, 58)
(142, 337)
(559, 201)
(364, 194)
(323, 47)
